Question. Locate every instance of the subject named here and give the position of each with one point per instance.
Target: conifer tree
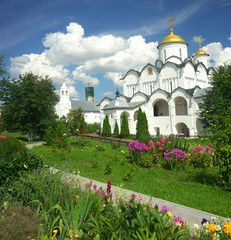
(124, 132)
(142, 132)
(106, 127)
(116, 129)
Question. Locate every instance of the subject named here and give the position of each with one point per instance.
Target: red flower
(61, 195)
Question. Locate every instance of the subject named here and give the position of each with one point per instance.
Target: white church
(89, 107)
(169, 92)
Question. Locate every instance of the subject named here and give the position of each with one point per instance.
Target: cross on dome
(170, 20)
(199, 39)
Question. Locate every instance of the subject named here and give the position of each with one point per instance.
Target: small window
(180, 54)
(150, 72)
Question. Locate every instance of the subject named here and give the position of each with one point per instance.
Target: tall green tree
(221, 141)
(28, 104)
(75, 119)
(116, 129)
(142, 132)
(106, 127)
(4, 78)
(124, 132)
(216, 101)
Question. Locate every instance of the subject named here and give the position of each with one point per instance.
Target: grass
(191, 187)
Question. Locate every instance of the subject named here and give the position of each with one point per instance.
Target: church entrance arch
(135, 115)
(182, 129)
(160, 108)
(128, 118)
(181, 106)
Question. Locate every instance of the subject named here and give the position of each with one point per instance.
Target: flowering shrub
(175, 160)
(158, 153)
(202, 156)
(215, 229)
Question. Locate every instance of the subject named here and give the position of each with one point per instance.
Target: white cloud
(73, 92)
(95, 54)
(108, 94)
(115, 77)
(218, 54)
(136, 54)
(73, 47)
(80, 75)
(229, 37)
(39, 65)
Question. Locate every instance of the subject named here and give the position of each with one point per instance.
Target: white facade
(169, 92)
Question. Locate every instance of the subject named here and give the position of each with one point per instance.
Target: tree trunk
(30, 136)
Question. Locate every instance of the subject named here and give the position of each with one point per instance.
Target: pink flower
(158, 143)
(160, 148)
(169, 143)
(164, 209)
(205, 153)
(94, 186)
(3, 137)
(133, 196)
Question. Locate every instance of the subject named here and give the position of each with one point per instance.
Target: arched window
(160, 108)
(150, 72)
(181, 106)
(135, 115)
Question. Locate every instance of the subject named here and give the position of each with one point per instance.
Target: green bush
(49, 136)
(93, 127)
(79, 142)
(15, 158)
(58, 137)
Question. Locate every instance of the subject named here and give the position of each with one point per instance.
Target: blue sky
(98, 41)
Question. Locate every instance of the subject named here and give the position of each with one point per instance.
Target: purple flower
(204, 221)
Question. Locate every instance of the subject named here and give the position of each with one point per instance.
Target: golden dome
(172, 38)
(201, 52)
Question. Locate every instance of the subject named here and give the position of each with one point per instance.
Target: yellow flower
(212, 227)
(55, 231)
(76, 235)
(227, 228)
(169, 214)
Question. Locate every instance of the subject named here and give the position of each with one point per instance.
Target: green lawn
(192, 187)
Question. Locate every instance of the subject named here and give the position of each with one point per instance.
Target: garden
(37, 203)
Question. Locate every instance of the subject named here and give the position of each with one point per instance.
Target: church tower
(173, 46)
(64, 105)
(201, 55)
